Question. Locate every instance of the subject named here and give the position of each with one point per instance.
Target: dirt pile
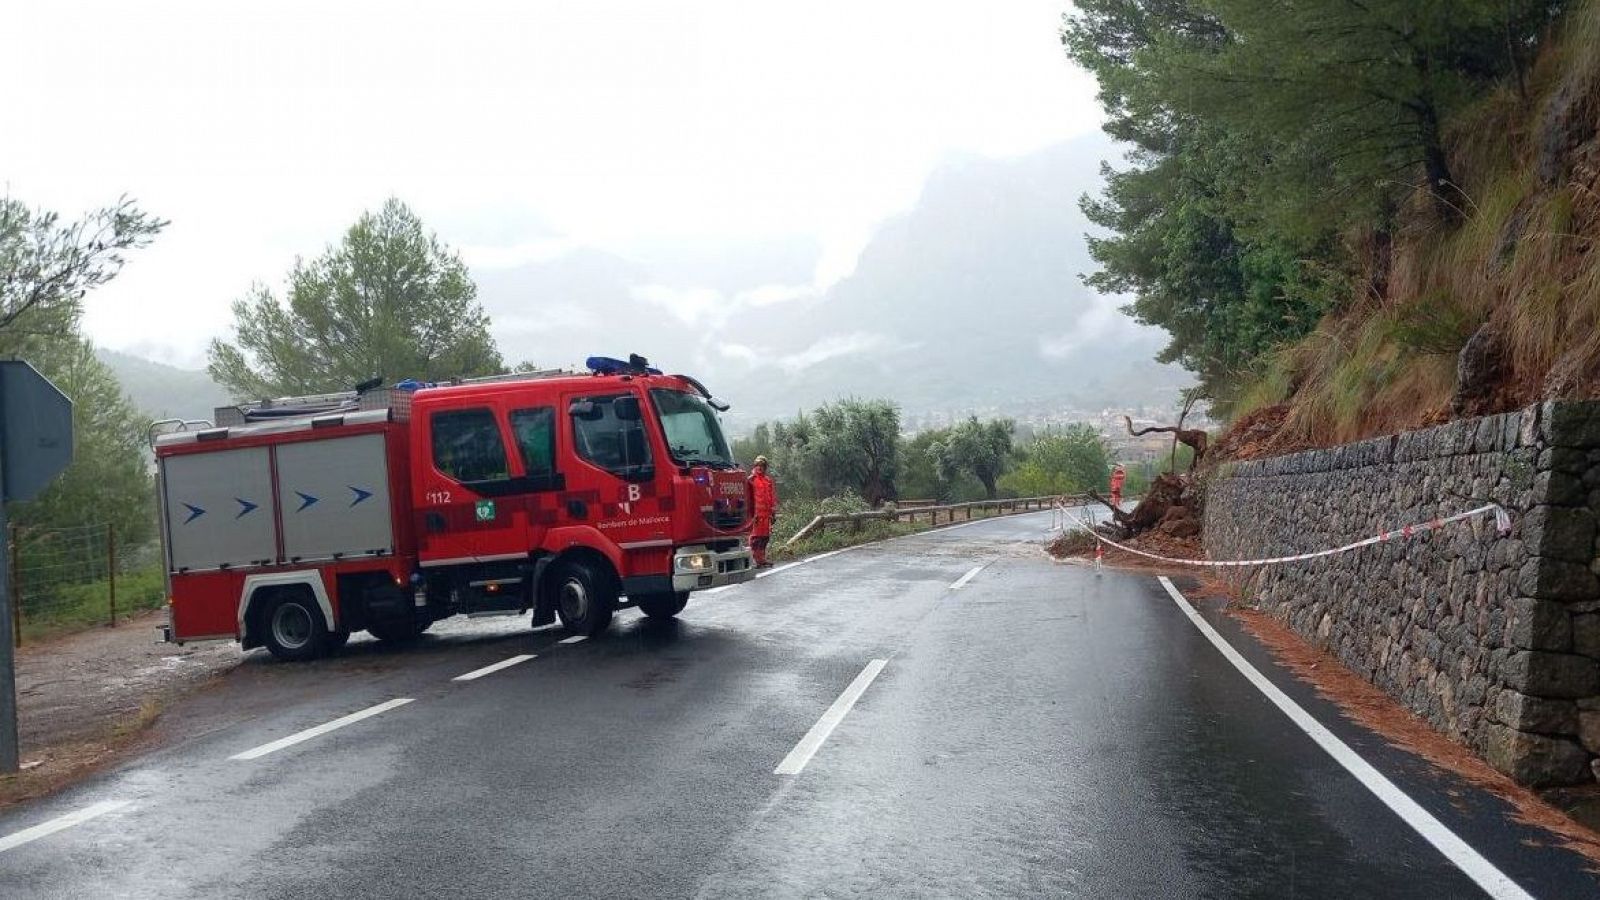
(1254, 435)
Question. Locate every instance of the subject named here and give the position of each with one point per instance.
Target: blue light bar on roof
(605, 365)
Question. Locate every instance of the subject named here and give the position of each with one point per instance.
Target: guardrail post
(111, 570)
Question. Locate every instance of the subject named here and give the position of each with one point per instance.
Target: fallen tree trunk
(1165, 493)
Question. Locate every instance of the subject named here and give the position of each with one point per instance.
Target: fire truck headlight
(694, 562)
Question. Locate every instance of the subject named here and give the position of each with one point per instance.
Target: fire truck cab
(292, 523)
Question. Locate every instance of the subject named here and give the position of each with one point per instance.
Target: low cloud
(712, 308)
(510, 256)
(691, 306)
(1102, 320)
(551, 318)
(828, 349)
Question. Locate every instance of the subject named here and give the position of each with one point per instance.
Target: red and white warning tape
(1502, 522)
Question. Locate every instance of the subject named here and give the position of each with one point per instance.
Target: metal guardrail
(820, 524)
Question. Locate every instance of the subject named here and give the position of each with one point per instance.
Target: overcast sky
(517, 130)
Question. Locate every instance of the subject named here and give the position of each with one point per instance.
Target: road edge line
(60, 823)
(1461, 854)
(319, 730)
(813, 740)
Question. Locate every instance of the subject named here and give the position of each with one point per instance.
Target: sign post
(35, 445)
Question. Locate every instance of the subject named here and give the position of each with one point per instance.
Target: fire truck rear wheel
(294, 627)
(585, 598)
(662, 606)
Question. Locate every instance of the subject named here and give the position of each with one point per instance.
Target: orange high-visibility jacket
(765, 496)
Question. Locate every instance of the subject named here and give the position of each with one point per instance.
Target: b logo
(633, 493)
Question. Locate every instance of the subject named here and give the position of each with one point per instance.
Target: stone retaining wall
(1494, 640)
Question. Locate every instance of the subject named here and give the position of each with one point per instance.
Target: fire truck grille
(726, 516)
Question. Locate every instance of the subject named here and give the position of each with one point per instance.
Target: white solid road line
(1493, 881)
(575, 639)
(322, 729)
(971, 574)
(60, 823)
(475, 674)
(808, 746)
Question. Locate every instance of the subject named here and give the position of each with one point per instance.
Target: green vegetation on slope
(1326, 200)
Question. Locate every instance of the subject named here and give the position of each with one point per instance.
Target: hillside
(161, 391)
(1483, 315)
(1361, 218)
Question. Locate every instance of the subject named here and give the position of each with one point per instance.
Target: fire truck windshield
(693, 433)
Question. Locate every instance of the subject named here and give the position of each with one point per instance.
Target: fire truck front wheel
(585, 597)
(294, 627)
(662, 606)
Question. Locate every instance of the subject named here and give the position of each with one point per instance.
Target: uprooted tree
(1163, 506)
(1171, 504)
(1193, 438)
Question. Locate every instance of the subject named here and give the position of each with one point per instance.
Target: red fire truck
(292, 523)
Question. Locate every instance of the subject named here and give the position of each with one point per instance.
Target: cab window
(610, 432)
(467, 446)
(535, 433)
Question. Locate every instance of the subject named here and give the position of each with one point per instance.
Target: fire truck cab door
(613, 480)
(474, 502)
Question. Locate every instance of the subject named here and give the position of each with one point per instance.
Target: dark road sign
(35, 445)
(35, 431)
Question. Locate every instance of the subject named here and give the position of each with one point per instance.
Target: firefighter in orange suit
(1118, 476)
(764, 496)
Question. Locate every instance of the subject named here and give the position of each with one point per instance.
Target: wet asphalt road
(1040, 731)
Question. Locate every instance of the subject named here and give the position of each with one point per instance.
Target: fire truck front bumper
(697, 568)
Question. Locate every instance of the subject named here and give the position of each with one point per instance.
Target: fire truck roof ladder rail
(367, 396)
(513, 376)
(170, 426)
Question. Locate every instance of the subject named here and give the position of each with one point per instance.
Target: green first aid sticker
(485, 510)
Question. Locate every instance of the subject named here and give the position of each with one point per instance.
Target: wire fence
(65, 579)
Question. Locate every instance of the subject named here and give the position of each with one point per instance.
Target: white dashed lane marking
(475, 674)
(309, 733)
(60, 823)
(812, 742)
(971, 574)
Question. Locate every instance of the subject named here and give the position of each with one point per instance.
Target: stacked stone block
(1494, 640)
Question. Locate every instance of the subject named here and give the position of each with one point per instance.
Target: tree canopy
(1265, 138)
(980, 449)
(47, 265)
(850, 446)
(391, 300)
(1069, 461)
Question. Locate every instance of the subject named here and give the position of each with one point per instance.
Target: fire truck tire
(585, 597)
(293, 627)
(662, 606)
